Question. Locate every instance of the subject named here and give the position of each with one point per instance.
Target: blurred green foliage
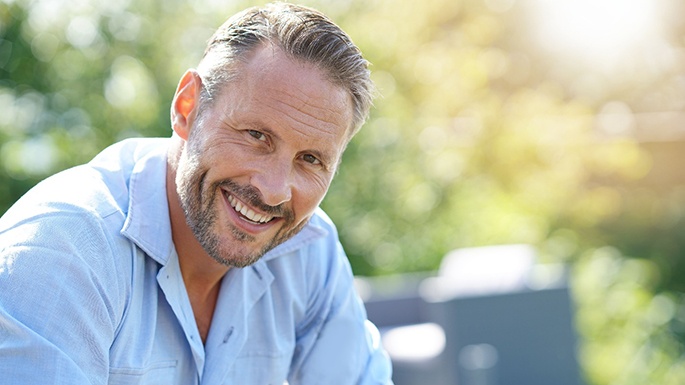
(477, 138)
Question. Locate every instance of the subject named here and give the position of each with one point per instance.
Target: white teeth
(248, 213)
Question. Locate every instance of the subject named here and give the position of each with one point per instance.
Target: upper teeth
(247, 212)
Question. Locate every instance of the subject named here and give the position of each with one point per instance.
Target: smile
(247, 213)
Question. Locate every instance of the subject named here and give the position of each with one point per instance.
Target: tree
(479, 137)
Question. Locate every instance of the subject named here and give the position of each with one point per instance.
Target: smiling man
(203, 258)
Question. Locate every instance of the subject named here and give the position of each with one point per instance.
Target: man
(203, 258)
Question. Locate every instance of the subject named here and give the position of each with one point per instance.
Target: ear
(186, 102)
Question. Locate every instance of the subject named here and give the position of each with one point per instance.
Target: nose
(274, 182)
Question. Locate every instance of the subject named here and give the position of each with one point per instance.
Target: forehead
(296, 93)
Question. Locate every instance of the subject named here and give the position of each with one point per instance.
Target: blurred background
(558, 124)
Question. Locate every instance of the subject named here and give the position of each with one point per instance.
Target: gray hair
(302, 33)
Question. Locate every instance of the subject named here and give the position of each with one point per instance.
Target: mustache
(252, 196)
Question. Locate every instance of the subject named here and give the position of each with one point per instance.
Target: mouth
(246, 213)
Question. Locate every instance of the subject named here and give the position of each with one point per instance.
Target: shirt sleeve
(56, 318)
(337, 344)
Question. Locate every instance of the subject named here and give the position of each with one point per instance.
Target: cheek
(311, 195)
(188, 171)
(222, 159)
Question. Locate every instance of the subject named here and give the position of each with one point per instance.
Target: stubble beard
(201, 204)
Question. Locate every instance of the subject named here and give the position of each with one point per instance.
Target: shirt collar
(148, 224)
(309, 233)
(147, 221)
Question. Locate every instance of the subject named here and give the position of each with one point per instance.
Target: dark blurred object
(491, 316)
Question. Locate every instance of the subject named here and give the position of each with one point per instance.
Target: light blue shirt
(91, 292)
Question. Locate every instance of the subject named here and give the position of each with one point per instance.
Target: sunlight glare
(597, 30)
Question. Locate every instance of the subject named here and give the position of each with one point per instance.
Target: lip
(240, 221)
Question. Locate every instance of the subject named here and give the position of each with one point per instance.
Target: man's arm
(56, 321)
(338, 344)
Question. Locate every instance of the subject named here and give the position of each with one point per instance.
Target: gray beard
(200, 213)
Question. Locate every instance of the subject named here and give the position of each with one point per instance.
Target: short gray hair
(302, 33)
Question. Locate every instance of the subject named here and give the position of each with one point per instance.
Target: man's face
(260, 158)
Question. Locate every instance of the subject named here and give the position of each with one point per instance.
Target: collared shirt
(91, 292)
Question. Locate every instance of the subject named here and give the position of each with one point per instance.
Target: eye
(257, 135)
(311, 159)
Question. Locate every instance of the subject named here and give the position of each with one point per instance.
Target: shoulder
(57, 236)
(97, 189)
(85, 204)
(68, 227)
